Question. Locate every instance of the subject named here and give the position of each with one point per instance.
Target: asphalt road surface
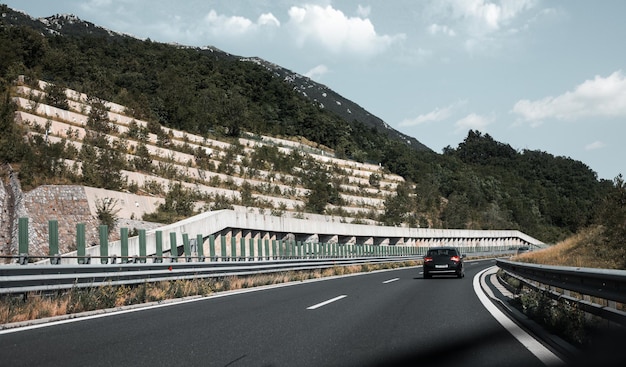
(390, 318)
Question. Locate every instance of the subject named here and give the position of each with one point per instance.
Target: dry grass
(585, 249)
(37, 306)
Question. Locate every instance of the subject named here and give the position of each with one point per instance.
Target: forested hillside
(480, 184)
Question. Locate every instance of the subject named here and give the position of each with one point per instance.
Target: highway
(388, 318)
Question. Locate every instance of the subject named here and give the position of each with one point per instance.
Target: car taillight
(456, 259)
(427, 259)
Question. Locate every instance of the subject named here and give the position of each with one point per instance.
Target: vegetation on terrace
(96, 148)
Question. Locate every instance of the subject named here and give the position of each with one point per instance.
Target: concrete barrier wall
(240, 224)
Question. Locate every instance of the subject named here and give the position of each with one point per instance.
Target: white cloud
(595, 145)
(316, 72)
(438, 114)
(364, 11)
(482, 16)
(336, 32)
(599, 97)
(268, 19)
(479, 22)
(473, 122)
(222, 25)
(435, 29)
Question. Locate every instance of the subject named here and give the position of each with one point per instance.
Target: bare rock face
(66, 204)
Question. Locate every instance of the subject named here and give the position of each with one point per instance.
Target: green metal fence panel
(104, 243)
(251, 248)
(223, 248)
(242, 248)
(267, 249)
(187, 247)
(212, 247)
(274, 249)
(124, 244)
(233, 248)
(81, 243)
(23, 240)
(200, 247)
(173, 248)
(142, 246)
(159, 247)
(53, 241)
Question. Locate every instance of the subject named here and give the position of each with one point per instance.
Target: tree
(247, 199)
(399, 207)
(56, 97)
(613, 213)
(106, 211)
(317, 180)
(12, 146)
(142, 160)
(179, 204)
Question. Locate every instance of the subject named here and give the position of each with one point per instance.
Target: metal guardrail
(603, 284)
(23, 279)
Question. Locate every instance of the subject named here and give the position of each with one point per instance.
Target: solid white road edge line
(541, 352)
(326, 302)
(390, 280)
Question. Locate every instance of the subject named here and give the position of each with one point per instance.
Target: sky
(546, 75)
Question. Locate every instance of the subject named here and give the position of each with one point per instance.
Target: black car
(445, 261)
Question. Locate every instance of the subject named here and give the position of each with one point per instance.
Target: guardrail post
(173, 248)
(80, 244)
(212, 247)
(158, 235)
(267, 248)
(242, 248)
(281, 248)
(23, 240)
(223, 248)
(233, 248)
(142, 246)
(200, 247)
(187, 247)
(104, 244)
(53, 242)
(124, 244)
(251, 249)
(274, 250)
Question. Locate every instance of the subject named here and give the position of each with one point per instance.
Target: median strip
(326, 302)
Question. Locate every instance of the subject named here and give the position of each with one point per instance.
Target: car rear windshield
(443, 252)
